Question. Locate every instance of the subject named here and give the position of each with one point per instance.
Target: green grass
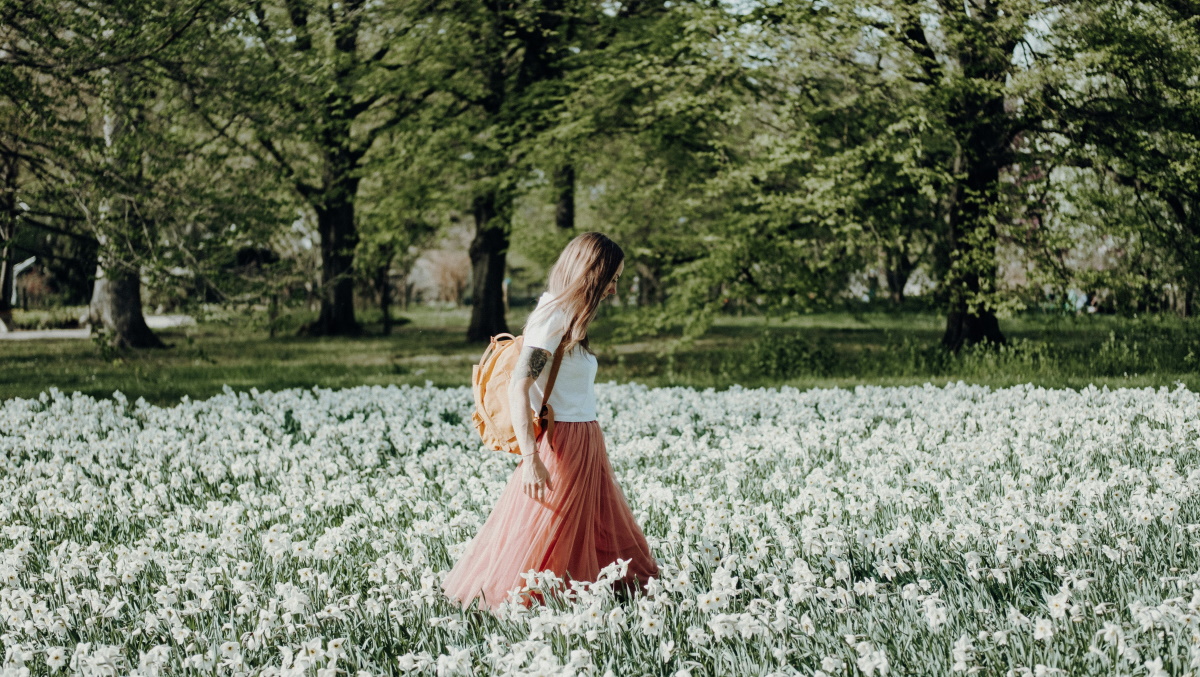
(826, 350)
(65, 317)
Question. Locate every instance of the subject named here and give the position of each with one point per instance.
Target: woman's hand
(529, 366)
(536, 478)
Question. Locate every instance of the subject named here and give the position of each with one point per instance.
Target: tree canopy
(756, 155)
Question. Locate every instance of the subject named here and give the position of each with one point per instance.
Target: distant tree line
(759, 153)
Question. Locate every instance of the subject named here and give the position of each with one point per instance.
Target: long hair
(577, 282)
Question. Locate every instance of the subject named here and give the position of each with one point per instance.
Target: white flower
(666, 649)
(807, 625)
(870, 659)
(1057, 604)
(723, 625)
(56, 657)
(1154, 668)
(336, 648)
(935, 614)
(1043, 628)
(651, 624)
(962, 653)
(1112, 634)
(454, 662)
(832, 664)
(407, 662)
(284, 519)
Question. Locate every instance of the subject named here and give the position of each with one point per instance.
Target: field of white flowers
(897, 531)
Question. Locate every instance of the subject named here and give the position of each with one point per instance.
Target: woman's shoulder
(544, 320)
(547, 311)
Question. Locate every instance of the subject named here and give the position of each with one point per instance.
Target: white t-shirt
(574, 395)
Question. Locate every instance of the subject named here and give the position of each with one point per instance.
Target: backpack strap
(558, 355)
(548, 426)
(492, 347)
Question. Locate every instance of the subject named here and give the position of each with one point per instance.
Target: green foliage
(784, 356)
(1129, 352)
(1044, 351)
(116, 160)
(64, 317)
(837, 139)
(745, 156)
(824, 350)
(1123, 97)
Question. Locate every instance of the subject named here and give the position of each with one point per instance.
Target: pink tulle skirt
(582, 525)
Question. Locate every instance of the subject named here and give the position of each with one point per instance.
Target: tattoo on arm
(535, 360)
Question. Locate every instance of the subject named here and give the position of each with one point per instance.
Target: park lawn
(869, 348)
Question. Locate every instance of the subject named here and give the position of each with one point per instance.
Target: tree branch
(916, 40)
(305, 189)
(298, 15)
(60, 231)
(403, 113)
(171, 38)
(363, 106)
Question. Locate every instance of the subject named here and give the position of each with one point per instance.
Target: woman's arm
(530, 364)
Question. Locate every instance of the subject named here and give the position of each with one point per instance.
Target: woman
(562, 509)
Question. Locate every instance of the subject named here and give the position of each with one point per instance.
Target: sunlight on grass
(825, 350)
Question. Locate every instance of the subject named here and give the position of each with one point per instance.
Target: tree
(969, 76)
(308, 88)
(121, 220)
(641, 126)
(26, 136)
(731, 126)
(852, 115)
(1122, 101)
(960, 61)
(9, 218)
(11, 162)
(401, 195)
(87, 84)
(518, 74)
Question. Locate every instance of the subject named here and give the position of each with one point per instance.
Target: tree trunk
(974, 264)
(489, 249)
(649, 286)
(339, 237)
(383, 288)
(116, 309)
(564, 208)
(982, 125)
(8, 231)
(963, 328)
(899, 269)
(272, 314)
(6, 286)
(385, 305)
(962, 325)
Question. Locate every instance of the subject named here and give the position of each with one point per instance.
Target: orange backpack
(489, 382)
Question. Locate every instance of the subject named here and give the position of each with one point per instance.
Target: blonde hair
(577, 282)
